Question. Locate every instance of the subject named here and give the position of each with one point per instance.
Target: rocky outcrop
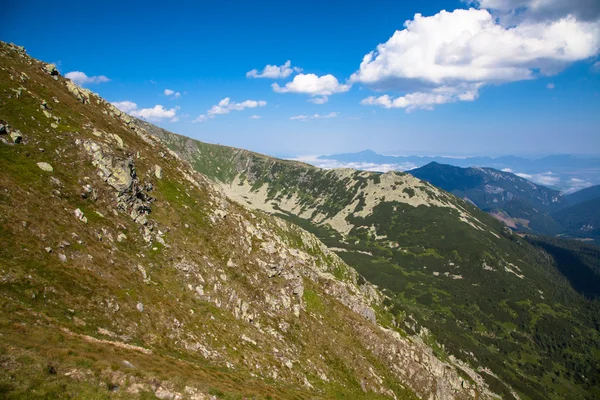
(120, 174)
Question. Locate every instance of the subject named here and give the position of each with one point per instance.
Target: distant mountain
(516, 201)
(584, 195)
(557, 171)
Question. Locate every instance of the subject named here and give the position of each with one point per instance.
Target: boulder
(158, 172)
(16, 136)
(79, 215)
(51, 69)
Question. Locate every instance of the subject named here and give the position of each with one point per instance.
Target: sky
(487, 77)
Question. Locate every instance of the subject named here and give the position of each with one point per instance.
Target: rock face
(120, 174)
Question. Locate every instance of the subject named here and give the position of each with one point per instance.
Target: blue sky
(506, 82)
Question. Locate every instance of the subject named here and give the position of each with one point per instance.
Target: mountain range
(138, 263)
(519, 203)
(563, 172)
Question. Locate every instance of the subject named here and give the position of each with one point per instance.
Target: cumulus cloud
(225, 106)
(155, 114)
(312, 85)
(125, 106)
(315, 116)
(449, 56)
(171, 93)
(81, 78)
(514, 11)
(255, 117)
(274, 71)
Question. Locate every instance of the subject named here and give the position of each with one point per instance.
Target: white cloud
(315, 116)
(550, 86)
(330, 115)
(576, 184)
(514, 11)
(449, 56)
(125, 106)
(596, 67)
(255, 117)
(312, 85)
(545, 178)
(507, 170)
(81, 78)
(225, 106)
(154, 114)
(274, 71)
(318, 100)
(171, 93)
(363, 166)
(426, 100)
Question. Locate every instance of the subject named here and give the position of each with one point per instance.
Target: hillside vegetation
(124, 273)
(454, 275)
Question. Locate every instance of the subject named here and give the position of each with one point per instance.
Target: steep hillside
(581, 220)
(516, 201)
(579, 261)
(583, 195)
(453, 274)
(125, 273)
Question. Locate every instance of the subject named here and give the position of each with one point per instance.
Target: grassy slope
(492, 319)
(73, 328)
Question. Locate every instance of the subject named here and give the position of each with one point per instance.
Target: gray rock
(44, 166)
(158, 172)
(51, 69)
(16, 136)
(140, 307)
(79, 215)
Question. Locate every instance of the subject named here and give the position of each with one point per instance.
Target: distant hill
(584, 195)
(516, 201)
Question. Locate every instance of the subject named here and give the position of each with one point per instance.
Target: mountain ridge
(125, 273)
(407, 237)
